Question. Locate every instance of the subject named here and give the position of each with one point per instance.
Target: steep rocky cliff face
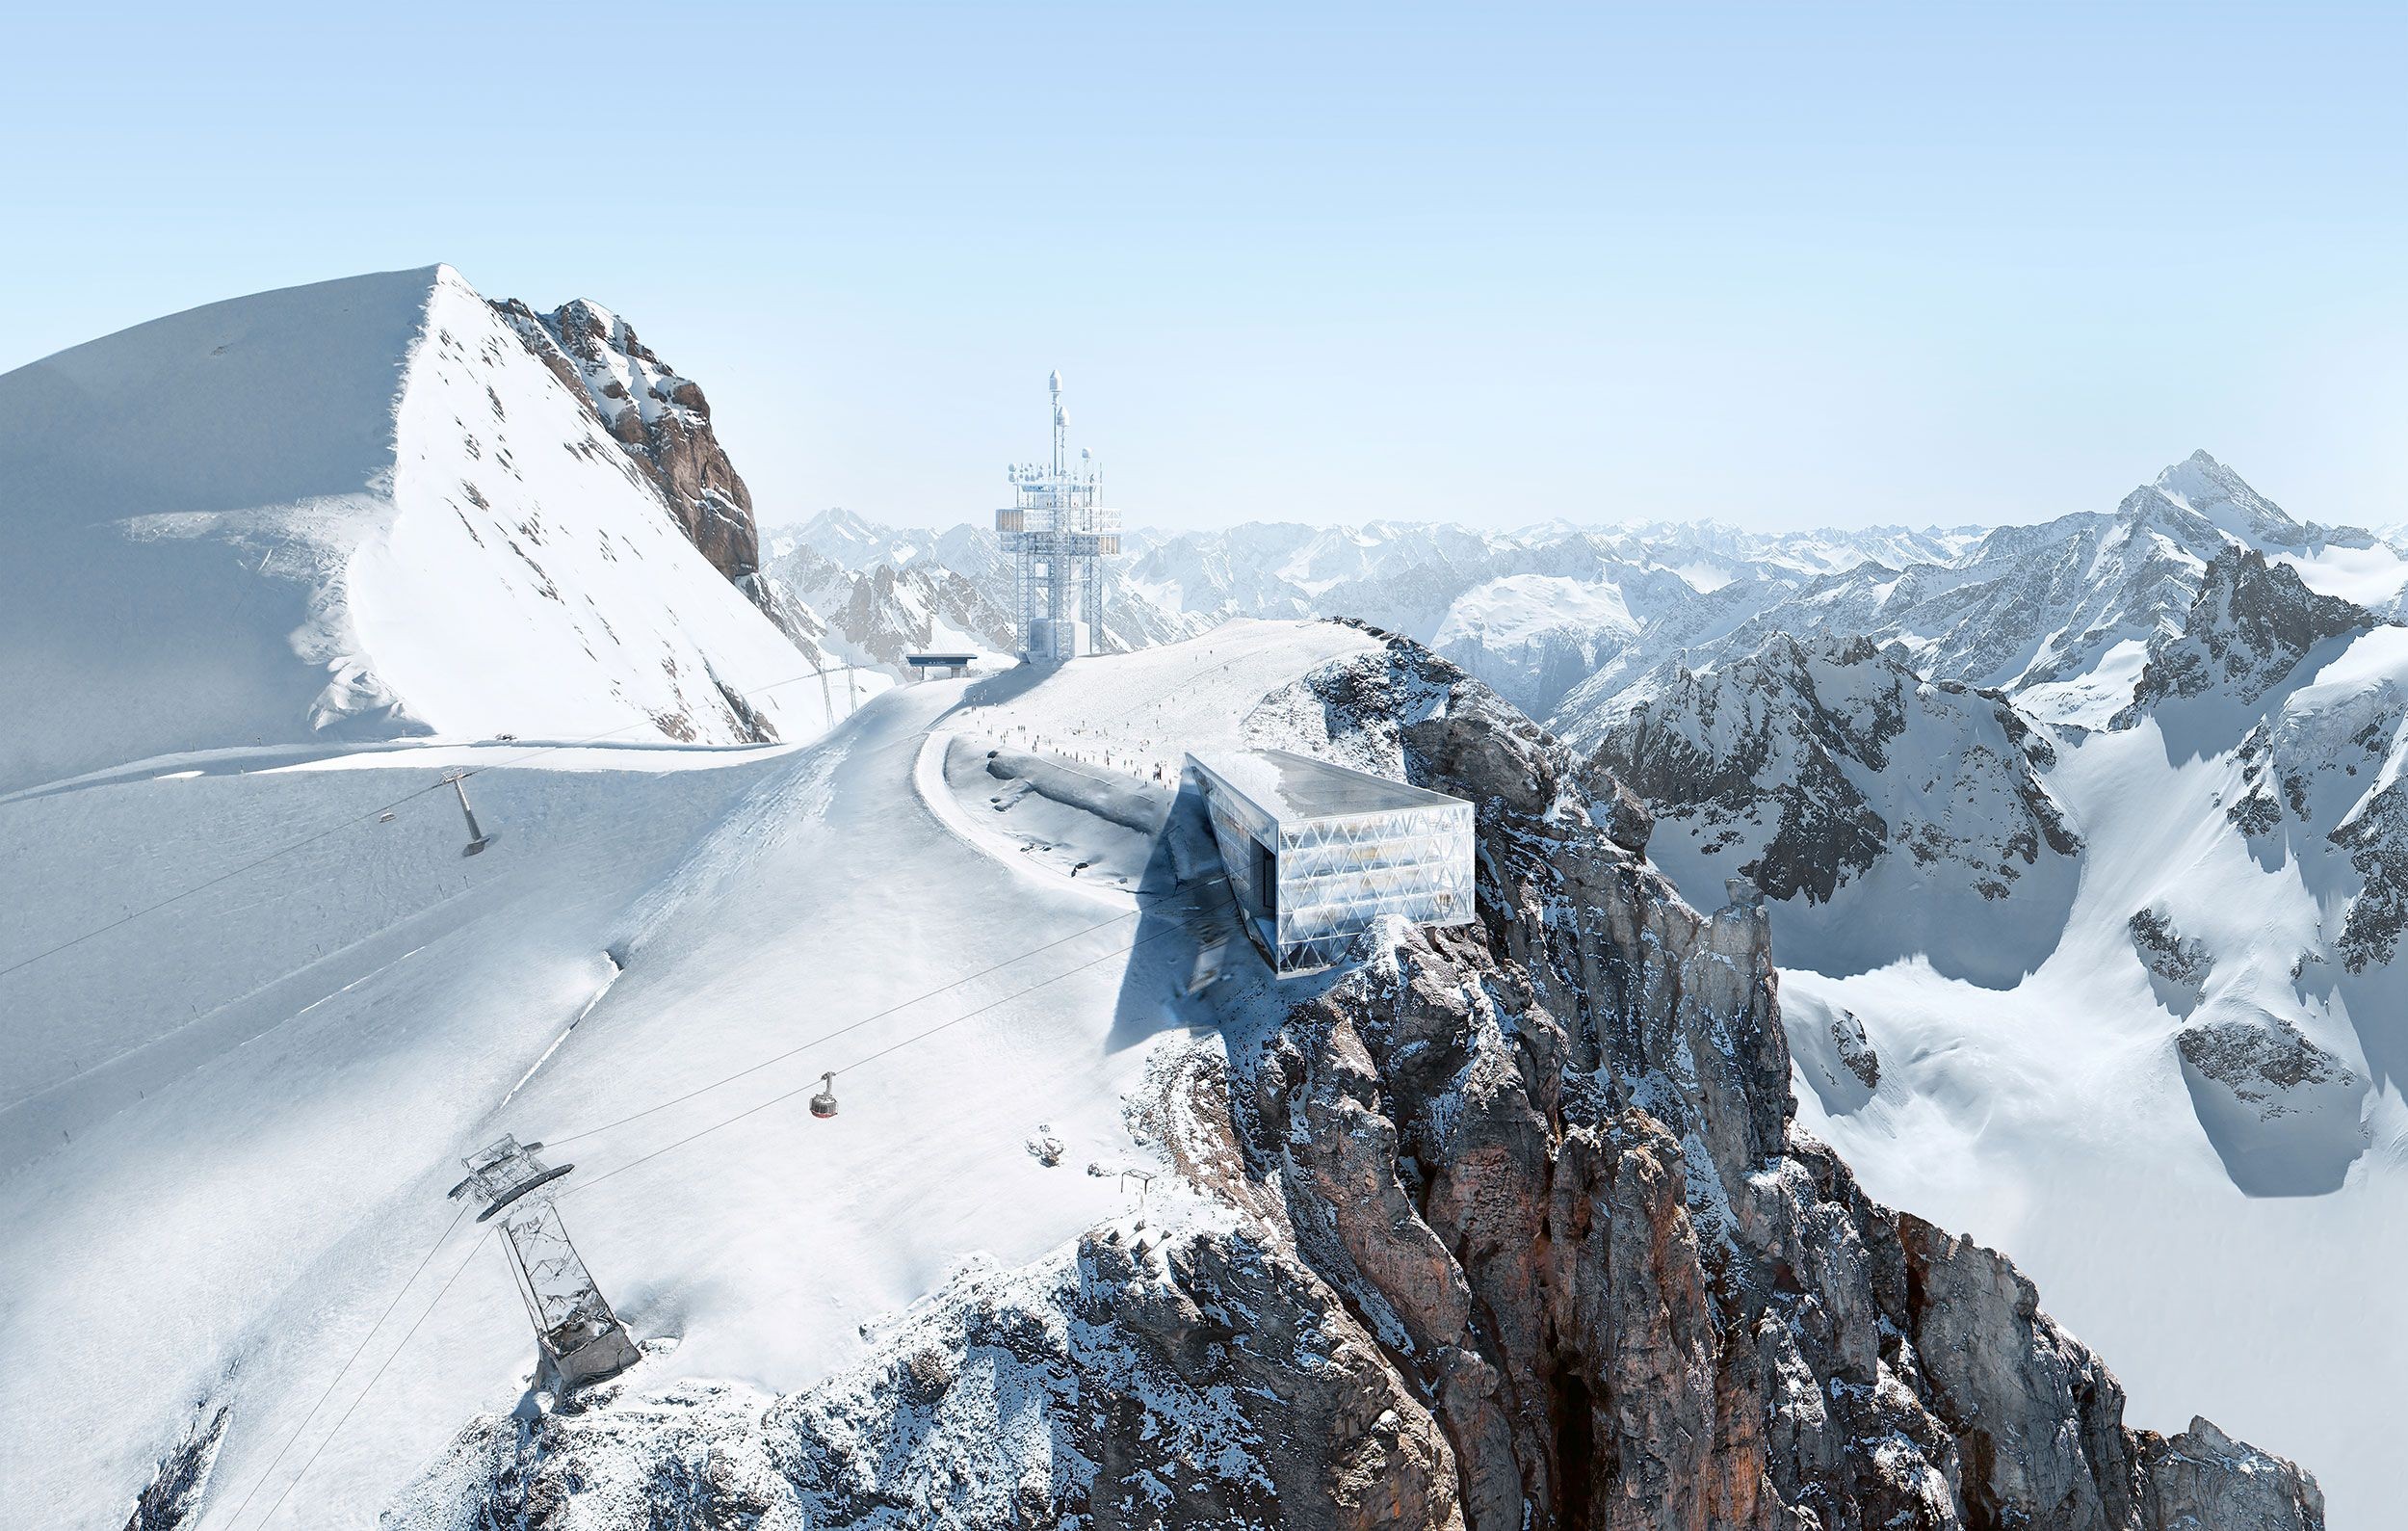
(2249, 627)
(1803, 764)
(661, 419)
(1506, 1227)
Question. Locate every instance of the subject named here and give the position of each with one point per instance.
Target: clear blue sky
(1774, 264)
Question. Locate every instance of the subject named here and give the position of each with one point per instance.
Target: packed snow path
(294, 1068)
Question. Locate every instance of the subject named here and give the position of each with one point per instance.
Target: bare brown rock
(661, 419)
(1656, 1307)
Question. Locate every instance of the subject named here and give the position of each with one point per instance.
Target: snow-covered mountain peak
(1886, 813)
(2200, 484)
(853, 542)
(332, 512)
(2249, 627)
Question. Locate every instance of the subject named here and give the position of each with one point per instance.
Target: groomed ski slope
(230, 1126)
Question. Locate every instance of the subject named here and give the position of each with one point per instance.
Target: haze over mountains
(2083, 849)
(1562, 620)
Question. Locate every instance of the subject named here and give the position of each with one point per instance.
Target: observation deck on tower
(1057, 531)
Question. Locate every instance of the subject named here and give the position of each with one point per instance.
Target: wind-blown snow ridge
(359, 509)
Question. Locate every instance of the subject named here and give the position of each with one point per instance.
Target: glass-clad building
(1316, 851)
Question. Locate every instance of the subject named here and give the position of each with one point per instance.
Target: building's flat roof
(933, 659)
(1292, 787)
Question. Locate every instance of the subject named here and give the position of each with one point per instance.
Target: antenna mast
(1057, 531)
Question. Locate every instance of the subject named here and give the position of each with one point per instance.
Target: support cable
(344, 1370)
(225, 876)
(1172, 928)
(916, 1037)
(828, 1037)
(375, 813)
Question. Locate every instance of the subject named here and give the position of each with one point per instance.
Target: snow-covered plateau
(2081, 848)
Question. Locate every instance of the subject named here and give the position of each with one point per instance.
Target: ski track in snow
(235, 1203)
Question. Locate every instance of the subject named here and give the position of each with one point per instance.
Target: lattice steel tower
(1057, 531)
(579, 1336)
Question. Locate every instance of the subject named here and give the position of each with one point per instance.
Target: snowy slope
(359, 509)
(278, 1077)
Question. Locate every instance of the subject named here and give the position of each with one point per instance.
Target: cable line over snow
(378, 812)
(344, 1370)
(1173, 928)
(382, 1366)
(849, 1026)
(227, 876)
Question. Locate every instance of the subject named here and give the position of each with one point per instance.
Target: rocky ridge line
(1506, 1228)
(2248, 628)
(660, 418)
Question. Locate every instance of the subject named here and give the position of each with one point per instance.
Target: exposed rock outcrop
(2202, 1477)
(1505, 1228)
(2262, 1060)
(2179, 966)
(2249, 627)
(175, 1492)
(1197, 1377)
(1552, 1163)
(661, 419)
(1804, 763)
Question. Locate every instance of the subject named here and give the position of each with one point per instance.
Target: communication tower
(1057, 530)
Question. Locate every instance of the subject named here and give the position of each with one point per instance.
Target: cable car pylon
(478, 839)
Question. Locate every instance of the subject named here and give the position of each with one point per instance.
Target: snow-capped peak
(2207, 488)
(358, 509)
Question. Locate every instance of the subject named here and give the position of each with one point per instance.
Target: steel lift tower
(581, 1339)
(1057, 531)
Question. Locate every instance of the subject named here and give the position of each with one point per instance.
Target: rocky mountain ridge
(1507, 1227)
(661, 418)
(2249, 626)
(1564, 619)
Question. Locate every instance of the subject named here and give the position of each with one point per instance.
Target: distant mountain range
(1566, 620)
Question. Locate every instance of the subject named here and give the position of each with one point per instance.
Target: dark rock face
(2377, 842)
(2179, 966)
(1769, 755)
(1506, 1230)
(2262, 1061)
(661, 419)
(2249, 627)
(173, 1496)
(1552, 1163)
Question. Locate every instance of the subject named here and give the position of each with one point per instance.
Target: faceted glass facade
(1309, 884)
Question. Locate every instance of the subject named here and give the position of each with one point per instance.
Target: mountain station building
(1316, 852)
